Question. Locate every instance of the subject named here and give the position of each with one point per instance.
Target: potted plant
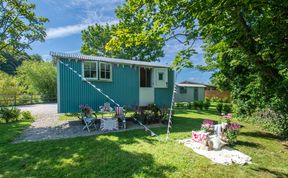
(86, 110)
(207, 126)
(231, 132)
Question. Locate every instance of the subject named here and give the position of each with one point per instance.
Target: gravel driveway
(48, 126)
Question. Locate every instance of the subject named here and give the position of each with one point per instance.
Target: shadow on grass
(274, 173)
(88, 157)
(285, 145)
(248, 144)
(259, 134)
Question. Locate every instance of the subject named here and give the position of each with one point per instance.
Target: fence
(218, 94)
(21, 99)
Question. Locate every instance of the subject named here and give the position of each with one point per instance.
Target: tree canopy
(245, 42)
(12, 61)
(38, 77)
(19, 26)
(96, 38)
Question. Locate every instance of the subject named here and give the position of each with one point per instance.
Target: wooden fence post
(31, 98)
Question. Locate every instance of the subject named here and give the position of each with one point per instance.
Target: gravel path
(47, 125)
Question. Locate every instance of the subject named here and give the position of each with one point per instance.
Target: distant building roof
(105, 59)
(196, 83)
(190, 85)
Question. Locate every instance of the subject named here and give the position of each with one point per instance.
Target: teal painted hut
(129, 83)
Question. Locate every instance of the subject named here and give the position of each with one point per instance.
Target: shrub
(195, 104)
(207, 104)
(200, 105)
(276, 122)
(226, 100)
(227, 108)
(155, 111)
(219, 107)
(216, 99)
(26, 115)
(150, 114)
(179, 105)
(189, 105)
(164, 115)
(9, 114)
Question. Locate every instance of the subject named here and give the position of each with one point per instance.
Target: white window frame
(104, 79)
(160, 83)
(83, 72)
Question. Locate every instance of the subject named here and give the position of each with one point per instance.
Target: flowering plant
(226, 117)
(85, 109)
(207, 124)
(231, 132)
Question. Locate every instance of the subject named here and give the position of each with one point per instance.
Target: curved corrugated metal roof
(105, 59)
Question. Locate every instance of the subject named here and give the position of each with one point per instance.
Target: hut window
(145, 77)
(160, 76)
(183, 90)
(90, 70)
(105, 71)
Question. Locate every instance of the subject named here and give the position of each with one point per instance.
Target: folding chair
(120, 115)
(89, 122)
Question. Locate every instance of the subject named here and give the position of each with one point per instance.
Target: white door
(146, 96)
(160, 77)
(146, 89)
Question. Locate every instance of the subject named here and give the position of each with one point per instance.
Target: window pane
(107, 75)
(93, 66)
(87, 74)
(102, 74)
(160, 76)
(107, 67)
(102, 66)
(93, 74)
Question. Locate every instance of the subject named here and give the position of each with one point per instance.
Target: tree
(38, 77)
(36, 57)
(96, 37)
(9, 88)
(19, 26)
(245, 43)
(12, 61)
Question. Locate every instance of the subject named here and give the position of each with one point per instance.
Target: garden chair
(120, 115)
(106, 108)
(89, 122)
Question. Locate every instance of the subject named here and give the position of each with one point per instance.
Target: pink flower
(227, 116)
(233, 127)
(207, 124)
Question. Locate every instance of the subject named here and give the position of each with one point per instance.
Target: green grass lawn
(135, 154)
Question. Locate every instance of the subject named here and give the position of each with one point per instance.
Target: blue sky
(67, 19)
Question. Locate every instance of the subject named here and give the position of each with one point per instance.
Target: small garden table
(109, 124)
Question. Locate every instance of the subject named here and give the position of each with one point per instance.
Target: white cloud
(64, 31)
(59, 32)
(89, 12)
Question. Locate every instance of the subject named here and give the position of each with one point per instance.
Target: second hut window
(105, 71)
